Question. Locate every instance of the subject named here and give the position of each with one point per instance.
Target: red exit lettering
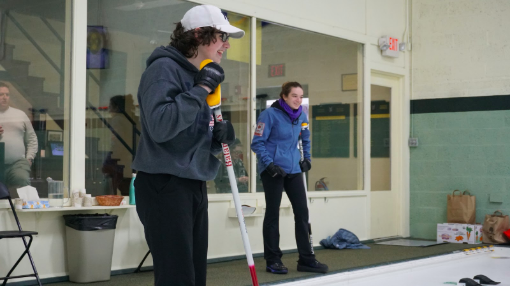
(276, 70)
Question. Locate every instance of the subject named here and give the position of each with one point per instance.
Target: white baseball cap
(209, 16)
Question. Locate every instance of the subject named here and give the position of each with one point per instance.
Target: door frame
(399, 149)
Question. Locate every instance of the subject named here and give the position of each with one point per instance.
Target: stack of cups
(80, 198)
(77, 200)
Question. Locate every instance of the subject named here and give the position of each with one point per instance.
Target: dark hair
(118, 103)
(287, 86)
(3, 84)
(187, 43)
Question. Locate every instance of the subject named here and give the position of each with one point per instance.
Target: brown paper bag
(461, 208)
(494, 226)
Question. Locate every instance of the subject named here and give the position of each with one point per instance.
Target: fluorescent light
(141, 5)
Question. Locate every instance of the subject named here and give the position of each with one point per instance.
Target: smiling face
(214, 50)
(4, 98)
(294, 98)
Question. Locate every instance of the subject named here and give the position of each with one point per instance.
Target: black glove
(305, 165)
(224, 132)
(211, 75)
(274, 170)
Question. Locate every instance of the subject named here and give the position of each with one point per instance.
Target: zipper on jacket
(292, 162)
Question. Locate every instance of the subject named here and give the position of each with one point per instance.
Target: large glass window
(33, 70)
(330, 71)
(121, 36)
(235, 92)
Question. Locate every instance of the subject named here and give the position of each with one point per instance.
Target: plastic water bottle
(132, 190)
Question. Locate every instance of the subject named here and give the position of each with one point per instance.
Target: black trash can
(89, 239)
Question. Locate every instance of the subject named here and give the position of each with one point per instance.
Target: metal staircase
(104, 173)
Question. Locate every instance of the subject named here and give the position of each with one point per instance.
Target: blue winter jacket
(276, 140)
(177, 122)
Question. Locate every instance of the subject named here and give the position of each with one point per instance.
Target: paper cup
(77, 202)
(18, 204)
(87, 201)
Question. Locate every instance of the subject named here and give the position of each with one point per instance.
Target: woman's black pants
(273, 189)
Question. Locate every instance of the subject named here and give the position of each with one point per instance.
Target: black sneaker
(277, 268)
(485, 280)
(312, 266)
(469, 282)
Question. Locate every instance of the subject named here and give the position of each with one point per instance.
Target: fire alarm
(389, 46)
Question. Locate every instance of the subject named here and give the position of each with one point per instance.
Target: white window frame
(77, 114)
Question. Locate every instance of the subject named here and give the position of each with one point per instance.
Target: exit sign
(393, 50)
(277, 70)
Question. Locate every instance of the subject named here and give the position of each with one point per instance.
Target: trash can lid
(91, 222)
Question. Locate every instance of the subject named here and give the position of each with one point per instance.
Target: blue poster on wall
(97, 54)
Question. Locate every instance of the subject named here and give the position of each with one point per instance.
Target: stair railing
(135, 130)
(62, 56)
(60, 70)
(33, 42)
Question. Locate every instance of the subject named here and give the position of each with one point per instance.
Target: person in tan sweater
(20, 141)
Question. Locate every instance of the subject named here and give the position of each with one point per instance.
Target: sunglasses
(224, 36)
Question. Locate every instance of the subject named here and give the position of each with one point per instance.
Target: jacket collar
(277, 105)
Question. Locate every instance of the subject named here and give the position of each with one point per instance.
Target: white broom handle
(235, 193)
(306, 194)
(304, 179)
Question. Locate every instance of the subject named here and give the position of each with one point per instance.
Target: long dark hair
(287, 86)
(187, 43)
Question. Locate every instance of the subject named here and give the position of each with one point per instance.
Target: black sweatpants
(173, 212)
(273, 189)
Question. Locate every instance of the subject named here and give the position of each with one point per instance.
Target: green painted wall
(458, 150)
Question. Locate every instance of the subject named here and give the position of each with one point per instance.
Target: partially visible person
(222, 182)
(20, 140)
(179, 141)
(279, 164)
(118, 108)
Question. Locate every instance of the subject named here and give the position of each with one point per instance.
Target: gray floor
(236, 273)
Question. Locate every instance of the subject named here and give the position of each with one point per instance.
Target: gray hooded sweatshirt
(176, 121)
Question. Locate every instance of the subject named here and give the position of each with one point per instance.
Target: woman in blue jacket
(279, 164)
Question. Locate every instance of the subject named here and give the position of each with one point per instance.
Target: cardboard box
(476, 234)
(459, 233)
(444, 232)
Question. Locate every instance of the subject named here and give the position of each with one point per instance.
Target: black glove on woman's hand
(211, 75)
(274, 170)
(305, 165)
(224, 132)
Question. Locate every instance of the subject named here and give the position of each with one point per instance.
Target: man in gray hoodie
(178, 143)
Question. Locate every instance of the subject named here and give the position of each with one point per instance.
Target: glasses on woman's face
(224, 36)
